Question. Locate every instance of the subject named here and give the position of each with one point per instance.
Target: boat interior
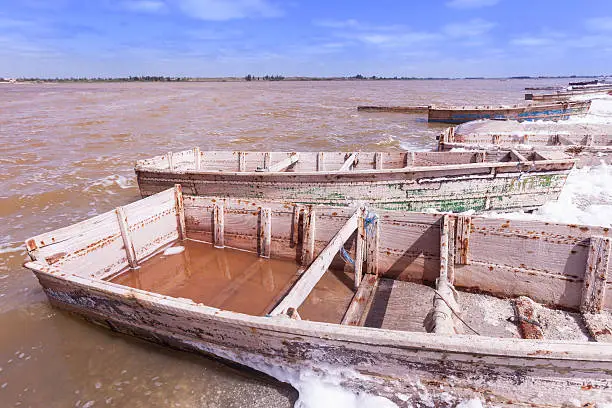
(234, 161)
(508, 140)
(420, 272)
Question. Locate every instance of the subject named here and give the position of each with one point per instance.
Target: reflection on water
(67, 153)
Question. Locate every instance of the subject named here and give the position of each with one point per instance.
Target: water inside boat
(240, 281)
(236, 280)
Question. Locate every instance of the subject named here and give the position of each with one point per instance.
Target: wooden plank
(308, 235)
(241, 161)
(127, 238)
(350, 160)
(218, 225)
(372, 244)
(319, 266)
(526, 319)
(594, 289)
(283, 164)
(197, 158)
(599, 326)
(180, 212)
(378, 161)
(354, 315)
(265, 232)
(462, 240)
(359, 248)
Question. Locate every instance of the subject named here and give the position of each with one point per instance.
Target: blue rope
(369, 223)
(345, 255)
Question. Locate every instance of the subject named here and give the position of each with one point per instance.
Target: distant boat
(550, 111)
(569, 92)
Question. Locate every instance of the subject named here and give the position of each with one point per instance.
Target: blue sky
(456, 38)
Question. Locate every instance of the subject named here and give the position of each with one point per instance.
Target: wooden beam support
(444, 299)
(265, 232)
(283, 164)
(526, 319)
(350, 161)
(241, 161)
(308, 236)
(295, 226)
(170, 161)
(302, 288)
(372, 244)
(357, 311)
(180, 212)
(267, 161)
(320, 161)
(518, 156)
(452, 221)
(595, 276)
(462, 240)
(360, 248)
(130, 253)
(409, 159)
(378, 161)
(218, 225)
(197, 158)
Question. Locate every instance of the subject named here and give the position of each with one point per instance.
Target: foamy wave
(112, 180)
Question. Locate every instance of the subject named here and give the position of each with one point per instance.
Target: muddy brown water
(66, 154)
(236, 280)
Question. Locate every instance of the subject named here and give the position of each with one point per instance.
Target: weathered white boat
(550, 111)
(456, 275)
(588, 145)
(413, 181)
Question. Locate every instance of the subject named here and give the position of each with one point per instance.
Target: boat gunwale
(395, 171)
(426, 342)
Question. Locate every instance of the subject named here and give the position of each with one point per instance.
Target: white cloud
(472, 28)
(528, 41)
(466, 4)
(222, 10)
(146, 6)
(600, 24)
(350, 23)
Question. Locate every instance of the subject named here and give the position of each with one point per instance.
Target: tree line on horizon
(250, 77)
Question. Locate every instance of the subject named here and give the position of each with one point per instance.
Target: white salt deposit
(174, 250)
(586, 199)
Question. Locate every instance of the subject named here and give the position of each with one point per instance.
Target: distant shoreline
(250, 78)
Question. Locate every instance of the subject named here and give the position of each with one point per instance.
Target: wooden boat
(550, 111)
(428, 318)
(394, 109)
(567, 94)
(587, 147)
(413, 181)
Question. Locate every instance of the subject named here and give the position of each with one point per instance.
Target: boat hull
(477, 188)
(559, 111)
(415, 368)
